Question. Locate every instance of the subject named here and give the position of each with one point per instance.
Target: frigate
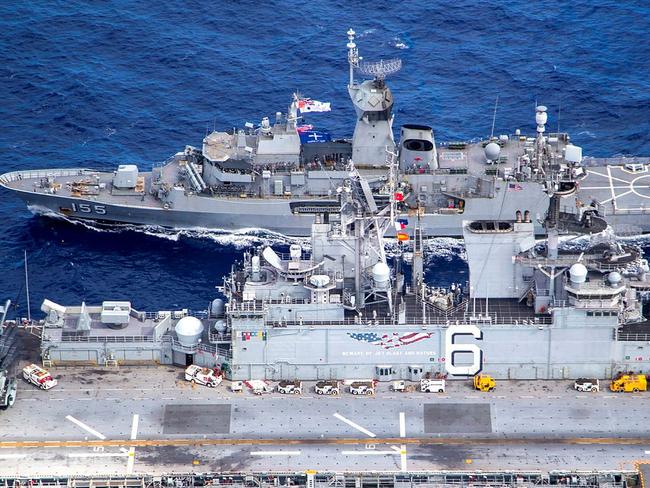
(278, 174)
(342, 308)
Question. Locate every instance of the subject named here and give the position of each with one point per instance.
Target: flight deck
(149, 420)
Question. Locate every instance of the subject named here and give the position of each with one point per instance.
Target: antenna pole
(29, 311)
(494, 117)
(353, 55)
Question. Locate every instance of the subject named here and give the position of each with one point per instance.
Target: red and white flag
(309, 105)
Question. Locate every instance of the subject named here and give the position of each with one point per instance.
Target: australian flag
(390, 341)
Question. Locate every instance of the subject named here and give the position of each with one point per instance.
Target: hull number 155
(88, 208)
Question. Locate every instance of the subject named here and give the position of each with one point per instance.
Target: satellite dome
(189, 330)
(319, 281)
(614, 278)
(492, 151)
(217, 307)
(380, 275)
(220, 326)
(578, 273)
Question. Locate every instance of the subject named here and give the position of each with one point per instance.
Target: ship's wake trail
(437, 249)
(240, 239)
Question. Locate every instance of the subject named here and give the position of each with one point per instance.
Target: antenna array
(380, 69)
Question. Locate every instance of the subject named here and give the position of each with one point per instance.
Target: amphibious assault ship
(344, 309)
(277, 175)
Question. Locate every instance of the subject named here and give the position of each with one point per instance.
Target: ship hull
(232, 214)
(627, 214)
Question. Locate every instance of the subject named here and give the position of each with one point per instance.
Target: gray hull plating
(233, 214)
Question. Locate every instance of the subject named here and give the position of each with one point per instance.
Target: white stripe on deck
(275, 453)
(402, 433)
(88, 429)
(371, 452)
(96, 454)
(134, 426)
(352, 424)
(609, 176)
(130, 462)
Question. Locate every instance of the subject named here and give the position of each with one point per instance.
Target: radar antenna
(494, 117)
(380, 69)
(353, 55)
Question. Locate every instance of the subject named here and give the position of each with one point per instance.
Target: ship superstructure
(277, 175)
(343, 309)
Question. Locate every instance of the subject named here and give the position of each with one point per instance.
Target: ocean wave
(399, 43)
(240, 239)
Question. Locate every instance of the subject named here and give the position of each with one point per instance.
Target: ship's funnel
(417, 148)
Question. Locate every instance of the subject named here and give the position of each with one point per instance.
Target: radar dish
(380, 69)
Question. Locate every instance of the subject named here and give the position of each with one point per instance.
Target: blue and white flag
(309, 136)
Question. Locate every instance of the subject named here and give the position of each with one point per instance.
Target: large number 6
(451, 348)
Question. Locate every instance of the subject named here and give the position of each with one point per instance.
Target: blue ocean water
(100, 83)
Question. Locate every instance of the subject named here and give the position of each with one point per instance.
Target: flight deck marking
(275, 453)
(356, 426)
(617, 196)
(468, 441)
(134, 433)
(97, 454)
(13, 456)
(602, 187)
(371, 452)
(402, 434)
(88, 429)
(610, 177)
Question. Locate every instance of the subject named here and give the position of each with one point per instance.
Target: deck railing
(491, 319)
(632, 336)
(112, 339)
(43, 173)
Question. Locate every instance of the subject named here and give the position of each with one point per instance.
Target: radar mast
(373, 103)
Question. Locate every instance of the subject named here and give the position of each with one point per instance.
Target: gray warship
(266, 176)
(343, 309)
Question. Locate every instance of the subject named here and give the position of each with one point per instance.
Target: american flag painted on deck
(390, 341)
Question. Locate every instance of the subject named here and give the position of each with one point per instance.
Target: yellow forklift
(484, 382)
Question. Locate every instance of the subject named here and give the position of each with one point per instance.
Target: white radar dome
(380, 275)
(220, 326)
(189, 330)
(492, 151)
(578, 273)
(614, 278)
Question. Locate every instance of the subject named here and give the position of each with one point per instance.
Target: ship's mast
(353, 56)
(373, 104)
(540, 119)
